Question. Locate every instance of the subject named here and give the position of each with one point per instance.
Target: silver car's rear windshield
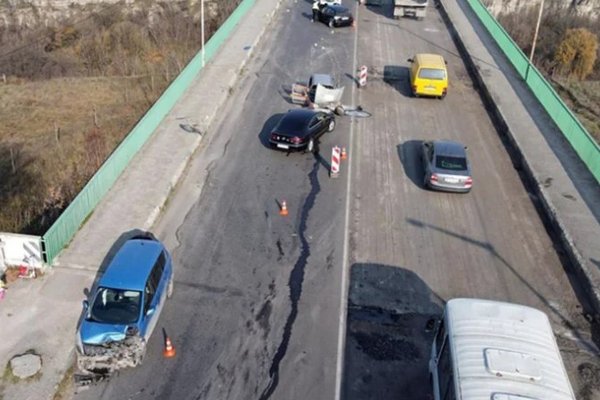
(432, 73)
(451, 163)
(116, 306)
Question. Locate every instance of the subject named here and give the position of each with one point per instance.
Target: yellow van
(428, 75)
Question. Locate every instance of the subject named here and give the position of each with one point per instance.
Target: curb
(551, 218)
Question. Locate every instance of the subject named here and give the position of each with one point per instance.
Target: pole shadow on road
(553, 311)
(390, 327)
(409, 155)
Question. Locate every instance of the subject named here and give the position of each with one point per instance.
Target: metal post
(202, 23)
(537, 28)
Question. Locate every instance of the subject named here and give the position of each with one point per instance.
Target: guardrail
(69, 222)
(575, 133)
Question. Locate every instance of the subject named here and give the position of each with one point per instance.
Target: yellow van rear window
(432, 73)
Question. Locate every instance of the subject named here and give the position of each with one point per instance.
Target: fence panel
(65, 227)
(576, 134)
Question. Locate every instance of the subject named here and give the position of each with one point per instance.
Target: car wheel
(170, 287)
(331, 23)
(331, 125)
(442, 96)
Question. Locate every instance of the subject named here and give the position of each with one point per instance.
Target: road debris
(101, 361)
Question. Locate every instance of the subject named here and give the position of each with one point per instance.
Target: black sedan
(300, 129)
(335, 15)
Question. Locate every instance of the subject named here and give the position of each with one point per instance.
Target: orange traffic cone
(169, 349)
(344, 155)
(284, 210)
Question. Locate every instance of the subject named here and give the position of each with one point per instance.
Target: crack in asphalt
(295, 282)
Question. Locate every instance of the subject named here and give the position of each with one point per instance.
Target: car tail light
(296, 140)
(433, 178)
(273, 136)
(469, 181)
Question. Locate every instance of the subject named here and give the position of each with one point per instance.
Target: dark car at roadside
(335, 16)
(300, 129)
(446, 166)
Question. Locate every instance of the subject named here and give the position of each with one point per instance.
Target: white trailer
(492, 350)
(410, 8)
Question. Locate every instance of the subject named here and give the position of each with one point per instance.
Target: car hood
(97, 333)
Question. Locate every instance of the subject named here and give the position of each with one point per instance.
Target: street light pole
(202, 24)
(537, 28)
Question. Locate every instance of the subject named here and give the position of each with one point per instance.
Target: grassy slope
(30, 112)
(583, 98)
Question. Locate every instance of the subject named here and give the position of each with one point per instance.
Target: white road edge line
(344, 291)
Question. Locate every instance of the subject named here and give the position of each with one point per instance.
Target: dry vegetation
(72, 92)
(567, 53)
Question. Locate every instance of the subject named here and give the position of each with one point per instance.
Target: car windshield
(451, 163)
(432, 73)
(116, 306)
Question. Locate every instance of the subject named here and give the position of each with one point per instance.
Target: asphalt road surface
(259, 297)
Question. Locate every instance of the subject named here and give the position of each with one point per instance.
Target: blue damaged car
(124, 308)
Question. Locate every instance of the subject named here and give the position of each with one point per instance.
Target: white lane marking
(344, 291)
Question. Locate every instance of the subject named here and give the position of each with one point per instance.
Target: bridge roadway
(258, 310)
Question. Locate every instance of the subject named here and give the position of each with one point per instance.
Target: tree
(576, 54)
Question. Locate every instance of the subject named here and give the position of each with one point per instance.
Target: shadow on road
(397, 76)
(381, 7)
(389, 332)
(409, 155)
(268, 126)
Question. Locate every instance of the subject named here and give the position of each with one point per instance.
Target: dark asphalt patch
(386, 347)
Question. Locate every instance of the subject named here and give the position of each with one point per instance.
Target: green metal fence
(63, 230)
(579, 138)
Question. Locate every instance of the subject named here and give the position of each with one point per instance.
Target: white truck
(410, 8)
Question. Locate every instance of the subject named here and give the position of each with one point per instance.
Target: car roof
(299, 114)
(430, 60)
(338, 7)
(131, 266)
(449, 148)
(505, 348)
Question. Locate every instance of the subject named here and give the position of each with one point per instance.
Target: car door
(314, 127)
(154, 296)
(321, 123)
(327, 14)
(427, 157)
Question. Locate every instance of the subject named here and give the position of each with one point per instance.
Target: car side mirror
(86, 308)
(410, 60)
(150, 311)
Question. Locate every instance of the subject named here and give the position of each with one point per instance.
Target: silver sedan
(445, 166)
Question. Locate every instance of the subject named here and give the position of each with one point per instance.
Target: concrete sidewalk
(562, 185)
(40, 315)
